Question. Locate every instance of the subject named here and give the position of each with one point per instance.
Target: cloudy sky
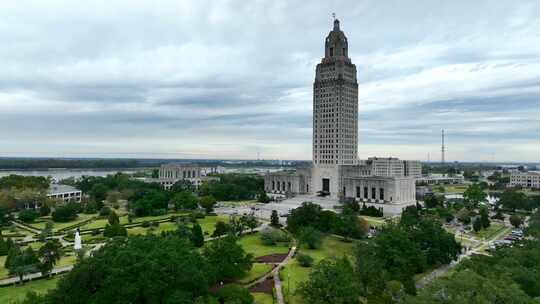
(230, 79)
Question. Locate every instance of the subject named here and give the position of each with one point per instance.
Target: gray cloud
(230, 79)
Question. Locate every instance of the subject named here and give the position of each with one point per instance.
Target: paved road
(14, 280)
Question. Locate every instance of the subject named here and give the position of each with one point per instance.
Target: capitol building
(336, 171)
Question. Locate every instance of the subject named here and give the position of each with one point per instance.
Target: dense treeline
(29, 163)
(234, 187)
(385, 265)
(510, 275)
(154, 269)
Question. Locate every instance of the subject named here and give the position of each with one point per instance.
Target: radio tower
(443, 148)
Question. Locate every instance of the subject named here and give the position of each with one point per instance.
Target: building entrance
(326, 185)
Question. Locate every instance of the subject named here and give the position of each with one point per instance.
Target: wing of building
(336, 170)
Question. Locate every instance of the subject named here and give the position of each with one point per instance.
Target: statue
(78, 243)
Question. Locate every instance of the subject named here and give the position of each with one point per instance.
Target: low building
(64, 193)
(530, 179)
(437, 179)
(169, 174)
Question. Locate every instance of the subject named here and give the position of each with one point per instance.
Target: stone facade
(169, 174)
(336, 170)
(529, 179)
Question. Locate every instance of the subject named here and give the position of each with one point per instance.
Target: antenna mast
(443, 148)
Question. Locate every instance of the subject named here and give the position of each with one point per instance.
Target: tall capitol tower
(335, 104)
(336, 172)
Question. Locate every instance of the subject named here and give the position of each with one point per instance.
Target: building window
(358, 192)
(373, 193)
(381, 194)
(331, 52)
(278, 183)
(289, 186)
(365, 193)
(283, 186)
(273, 185)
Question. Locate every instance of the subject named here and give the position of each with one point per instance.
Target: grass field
(262, 298)
(293, 273)
(3, 271)
(257, 271)
(490, 231)
(14, 293)
(207, 225)
(252, 244)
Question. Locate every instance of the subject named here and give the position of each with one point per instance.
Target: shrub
(271, 236)
(44, 210)
(145, 224)
(105, 211)
(311, 237)
(235, 294)
(114, 230)
(304, 260)
(90, 208)
(221, 228)
(28, 216)
(64, 213)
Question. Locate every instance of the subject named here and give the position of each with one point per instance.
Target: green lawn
(209, 222)
(252, 244)
(490, 231)
(166, 226)
(262, 298)
(3, 271)
(293, 273)
(257, 271)
(14, 293)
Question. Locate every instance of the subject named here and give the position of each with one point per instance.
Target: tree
(304, 260)
(468, 287)
(474, 195)
(274, 219)
(208, 202)
(114, 230)
(331, 282)
(23, 263)
(516, 220)
(250, 221)
(49, 254)
(149, 269)
(235, 294)
(44, 210)
(270, 236)
(65, 213)
(310, 237)
(350, 226)
(477, 224)
(220, 229)
(28, 216)
(197, 237)
(513, 200)
(113, 218)
(228, 259)
(182, 185)
(432, 201)
(308, 214)
(184, 201)
(46, 232)
(484, 217)
(99, 193)
(262, 197)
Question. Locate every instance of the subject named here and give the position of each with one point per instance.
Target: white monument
(78, 243)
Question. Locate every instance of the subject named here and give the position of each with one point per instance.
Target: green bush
(28, 216)
(304, 260)
(145, 224)
(105, 211)
(64, 213)
(271, 236)
(235, 294)
(114, 230)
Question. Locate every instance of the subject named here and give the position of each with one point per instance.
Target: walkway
(32, 276)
